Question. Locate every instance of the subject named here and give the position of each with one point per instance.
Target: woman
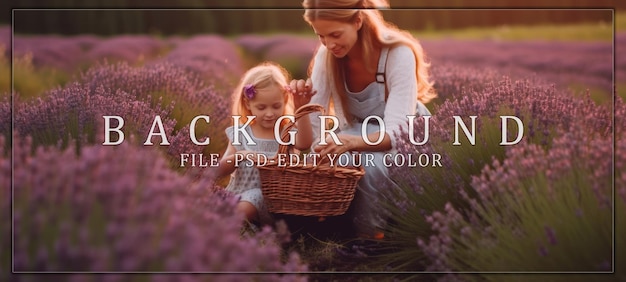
(364, 67)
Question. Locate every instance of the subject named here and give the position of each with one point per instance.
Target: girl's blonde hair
(374, 33)
(261, 76)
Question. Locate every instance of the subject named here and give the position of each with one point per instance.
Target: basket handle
(300, 112)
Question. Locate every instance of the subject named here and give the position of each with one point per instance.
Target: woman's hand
(352, 143)
(302, 91)
(349, 142)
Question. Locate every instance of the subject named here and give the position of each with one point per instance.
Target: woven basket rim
(333, 203)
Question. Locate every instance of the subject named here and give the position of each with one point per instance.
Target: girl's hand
(302, 91)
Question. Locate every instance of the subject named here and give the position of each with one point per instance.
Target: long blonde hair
(374, 33)
(261, 76)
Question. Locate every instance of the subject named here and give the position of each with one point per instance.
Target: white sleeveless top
(246, 177)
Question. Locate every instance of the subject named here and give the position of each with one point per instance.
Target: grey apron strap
(382, 82)
(380, 73)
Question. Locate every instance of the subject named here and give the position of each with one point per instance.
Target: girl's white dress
(245, 181)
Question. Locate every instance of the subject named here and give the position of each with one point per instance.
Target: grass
(335, 260)
(599, 96)
(620, 89)
(30, 81)
(600, 31)
(5, 75)
(620, 21)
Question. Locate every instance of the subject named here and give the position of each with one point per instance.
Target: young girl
(262, 95)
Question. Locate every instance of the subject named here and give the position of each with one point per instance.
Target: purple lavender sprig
(551, 119)
(122, 209)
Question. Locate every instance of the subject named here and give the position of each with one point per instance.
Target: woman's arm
(301, 92)
(401, 102)
(320, 84)
(354, 143)
(304, 137)
(402, 88)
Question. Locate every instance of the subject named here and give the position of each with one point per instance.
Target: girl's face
(338, 37)
(267, 105)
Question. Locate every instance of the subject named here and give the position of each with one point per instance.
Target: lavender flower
(49, 51)
(5, 116)
(488, 193)
(190, 95)
(122, 209)
(5, 41)
(144, 81)
(75, 113)
(127, 48)
(551, 235)
(210, 56)
(556, 62)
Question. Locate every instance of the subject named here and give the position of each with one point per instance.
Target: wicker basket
(304, 189)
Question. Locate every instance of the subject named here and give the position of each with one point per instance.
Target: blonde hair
(261, 76)
(374, 33)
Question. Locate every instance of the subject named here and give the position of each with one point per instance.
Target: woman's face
(338, 37)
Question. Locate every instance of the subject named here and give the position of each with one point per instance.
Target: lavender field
(546, 204)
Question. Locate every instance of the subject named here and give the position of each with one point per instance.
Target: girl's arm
(227, 162)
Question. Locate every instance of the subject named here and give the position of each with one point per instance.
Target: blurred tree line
(108, 17)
